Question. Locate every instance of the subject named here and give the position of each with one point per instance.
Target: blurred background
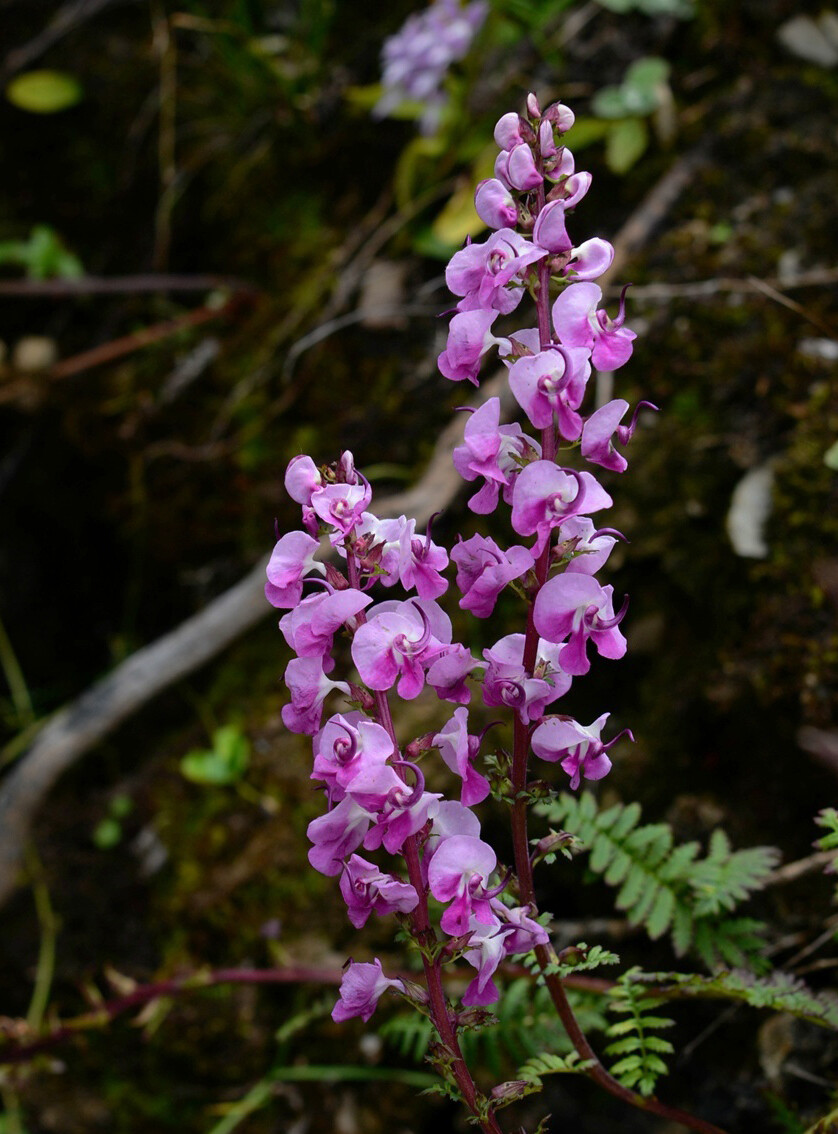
(222, 243)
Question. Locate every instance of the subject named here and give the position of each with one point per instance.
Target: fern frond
(548, 1064)
(639, 1064)
(669, 888)
(779, 993)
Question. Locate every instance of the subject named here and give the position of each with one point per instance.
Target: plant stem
(520, 758)
(422, 928)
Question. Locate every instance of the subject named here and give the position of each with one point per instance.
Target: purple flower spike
(578, 323)
(576, 607)
(360, 990)
(579, 748)
(367, 890)
(552, 382)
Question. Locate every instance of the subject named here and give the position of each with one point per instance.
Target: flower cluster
(416, 60)
(375, 790)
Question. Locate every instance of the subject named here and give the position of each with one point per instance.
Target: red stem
(520, 757)
(422, 928)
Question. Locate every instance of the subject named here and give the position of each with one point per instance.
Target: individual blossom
(459, 872)
(579, 748)
(575, 607)
(399, 810)
(362, 986)
(302, 479)
(291, 560)
(483, 570)
(342, 505)
(347, 745)
(546, 495)
(458, 749)
(447, 675)
(480, 273)
(310, 628)
(579, 323)
(368, 890)
(508, 683)
(494, 204)
(552, 382)
(469, 339)
(495, 452)
(584, 547)
(309, 687)
(486, 949)
(599, 430)
(517, 169)
(398, 642)
(337, 834)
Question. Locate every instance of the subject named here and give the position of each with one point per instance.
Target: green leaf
(225, 763)
(586, 131)
(624, 144)
(107, 834)
(44, 92)
(609, 103)
(830, 457)
(647, 74)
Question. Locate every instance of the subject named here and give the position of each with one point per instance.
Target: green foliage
(669, 888)
(580, 958)
(43, 255)
(644, 91)
(547, 1064)
(522, 1026)
(779, 992)
(639, 1064)
(108, 831)
(225, 763)
(682, 9)
(44, 92)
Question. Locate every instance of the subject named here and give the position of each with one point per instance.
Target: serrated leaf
(44, 92)
(624, 144)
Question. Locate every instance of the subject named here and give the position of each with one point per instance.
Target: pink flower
(576, 607)
(367, 890)
(483, 570)
(302, 478)
(347, 745)
(291, 560)
(494, 204)
(545, 495)
(399, 641)
(309, 628)
(552, 382)
(492, 451)
(579, 748)
(447, 675)
(336, 834)
(458, 749)
(458, 874)
(578, 323)
(598, 432)
(309, 687)
(342, 505)
(360, 990)
(480, 272)
(469, 338)
(507, 683)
